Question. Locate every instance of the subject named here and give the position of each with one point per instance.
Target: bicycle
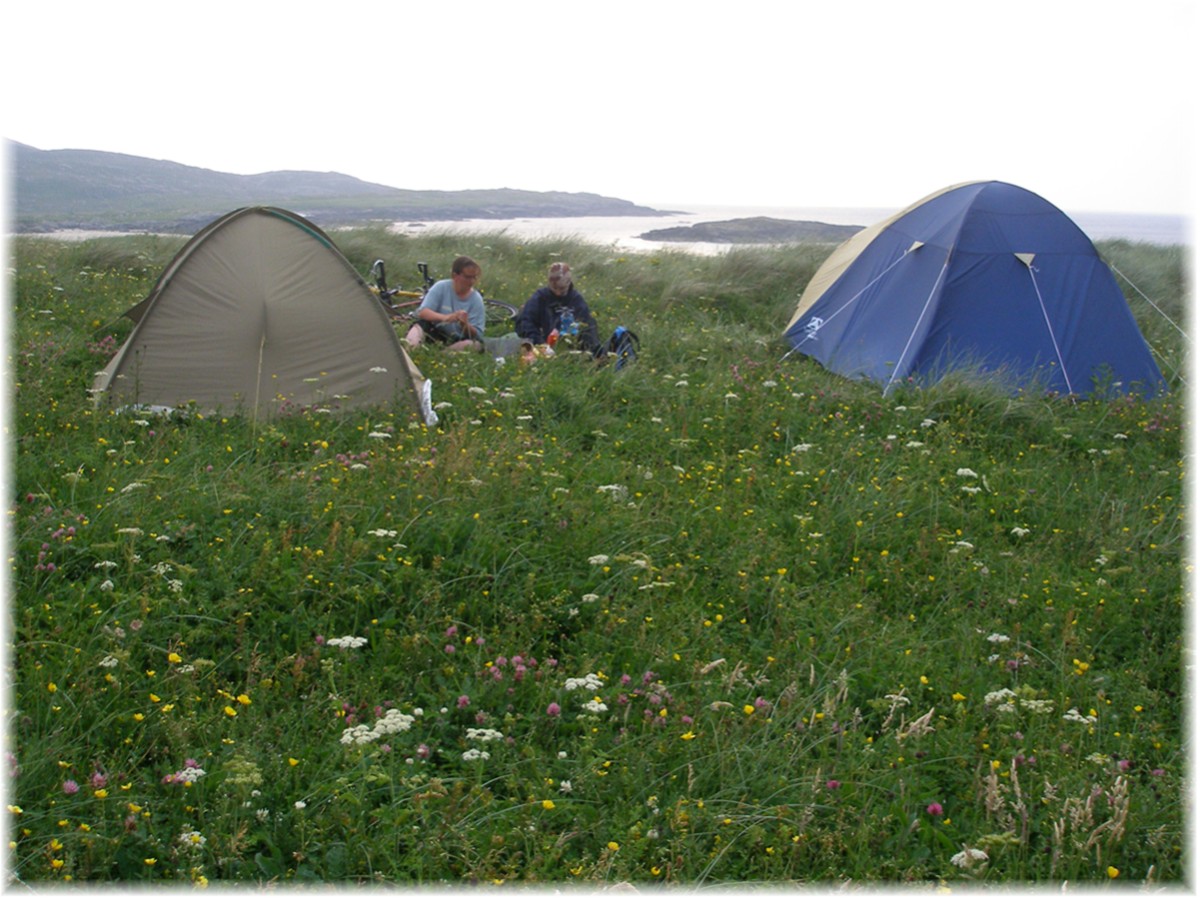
(402, 305)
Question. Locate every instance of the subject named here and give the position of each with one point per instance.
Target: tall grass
(714, 618)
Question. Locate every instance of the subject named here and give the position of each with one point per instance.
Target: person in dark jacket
(543, 312)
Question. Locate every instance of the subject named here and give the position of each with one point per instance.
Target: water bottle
(567, 324)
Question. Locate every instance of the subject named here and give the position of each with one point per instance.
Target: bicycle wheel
(498, 315)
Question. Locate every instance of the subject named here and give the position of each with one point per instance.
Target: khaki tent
(260, 313)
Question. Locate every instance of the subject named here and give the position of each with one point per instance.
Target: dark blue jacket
(542, 311)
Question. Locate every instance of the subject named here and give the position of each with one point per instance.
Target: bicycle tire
(497, 313)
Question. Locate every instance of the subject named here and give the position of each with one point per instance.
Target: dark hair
(462, 263)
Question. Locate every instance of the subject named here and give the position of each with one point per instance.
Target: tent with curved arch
(984, 276)
(259, 312)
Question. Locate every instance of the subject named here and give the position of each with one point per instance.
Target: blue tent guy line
(984, 276)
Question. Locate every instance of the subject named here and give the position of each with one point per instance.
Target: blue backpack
(624, 345)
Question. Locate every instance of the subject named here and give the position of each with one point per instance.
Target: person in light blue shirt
(452, 310)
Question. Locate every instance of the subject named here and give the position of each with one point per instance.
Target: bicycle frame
(403, 304)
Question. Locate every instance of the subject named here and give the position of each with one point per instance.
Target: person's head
(559, 278)
(465, 273)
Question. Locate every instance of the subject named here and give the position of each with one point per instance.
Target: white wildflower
(913, 445)
(109, 662)
(192, 839)
(1018, 531)
(484, 734)
(802, 448)
(106, 585)
(970, 489)
(1120, 437)
(681, 384)
(1074, 715)
(136, 532)
(998, 638)
(476, 390)
(616, 491)
(358, 734)
(1004, 695)
(379, 435)
(393, 722)
(382, 532)
(966, 473)
(348, 642)
(590, 681)
(599, 559)
(133, 486)
(475, 753)
(105, 564)
(968, 857)
(595, 706)
(1038, 706)
(299, 804)
(589, 598)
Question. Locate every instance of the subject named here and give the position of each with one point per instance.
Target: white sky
(776, 103)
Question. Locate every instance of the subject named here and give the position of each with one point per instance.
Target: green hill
(88, 189)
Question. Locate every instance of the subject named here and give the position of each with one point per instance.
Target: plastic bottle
(567, 323)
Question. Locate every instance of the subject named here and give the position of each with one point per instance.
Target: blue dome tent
(984, 276)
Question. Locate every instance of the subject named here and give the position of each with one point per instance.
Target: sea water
(623, 232)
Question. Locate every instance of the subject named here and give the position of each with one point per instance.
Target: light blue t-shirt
(442, 299)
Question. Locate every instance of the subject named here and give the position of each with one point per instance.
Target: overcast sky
(781, 103)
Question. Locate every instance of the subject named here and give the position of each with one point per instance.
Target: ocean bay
(623, 232)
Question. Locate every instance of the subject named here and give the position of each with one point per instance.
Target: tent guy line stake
(924, 309)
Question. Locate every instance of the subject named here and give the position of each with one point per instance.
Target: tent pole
(262, 343)
(866, 287)
(1049, 328)
(917, 324)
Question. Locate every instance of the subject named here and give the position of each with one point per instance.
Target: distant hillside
(90, 189)
(757, 230)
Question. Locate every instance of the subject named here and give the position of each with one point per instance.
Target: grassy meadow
(716, 618)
